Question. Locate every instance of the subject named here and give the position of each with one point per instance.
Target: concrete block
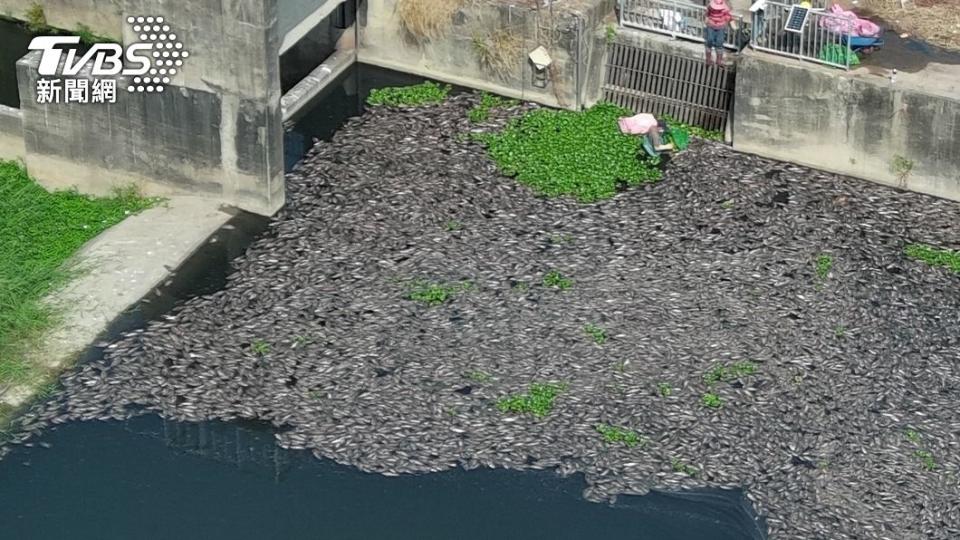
(103, 17)
(898, 135)
(182, 141)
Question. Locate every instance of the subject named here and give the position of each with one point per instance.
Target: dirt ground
(934, 21)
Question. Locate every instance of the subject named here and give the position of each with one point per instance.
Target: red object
(718, 14)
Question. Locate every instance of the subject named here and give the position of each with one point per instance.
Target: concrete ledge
(11, 134)
(898, 135)
(118, 268)
(303, 93)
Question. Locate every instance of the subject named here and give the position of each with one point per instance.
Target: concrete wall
(850, 124)
(11, 134)
(215, 131)
(103, 17)
(454, 57)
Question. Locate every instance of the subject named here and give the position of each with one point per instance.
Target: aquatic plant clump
(481, 111)
(564, 153)
(435, 293)
(409, 96)
(616, 434)
(538, 401)
(933, 256)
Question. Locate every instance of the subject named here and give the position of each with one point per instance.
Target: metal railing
(676, 18)
(825, 37)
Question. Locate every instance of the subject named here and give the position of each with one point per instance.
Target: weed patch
(260, 347)
(36, 19)
(599, 335)
(947, 258)
(538, 401)
(926, 459)
(665, 389)
(436, 293)
(499, 53)
(711, 400)
(409, 96)
(610, 33)
(615, 434)
(32, 257)
(427, 19)
(727, 373)
(556, 280)
(681, 467)
(481, 111)
(565, 153)
(824, 265)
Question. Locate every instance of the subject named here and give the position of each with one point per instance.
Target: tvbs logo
(152, 61)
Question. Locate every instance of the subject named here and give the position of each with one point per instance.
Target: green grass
(435, 293)
(599, 335)
(824, 265)
(711, 400)
(912, 436)
(409, 96)
(681, 467)
(481, 111)
(39, 231)
(665, 389)
(839, 331)
(726, 373)
(564, 153)
(260, 347)
(538, 401)
(615, 434)
(610, 33)
(926, 459)
(935, 256)
(556, 279)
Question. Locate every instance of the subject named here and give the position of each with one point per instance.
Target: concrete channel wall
(895, 134)
(102, 17)
(11, 134)
(486, 46)
(215, 131)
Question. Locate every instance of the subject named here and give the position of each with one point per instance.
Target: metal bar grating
(659, 83)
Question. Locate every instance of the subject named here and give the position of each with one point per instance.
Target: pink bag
(847, 22)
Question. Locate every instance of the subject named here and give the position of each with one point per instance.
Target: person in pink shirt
(719, 16)
(644, 124)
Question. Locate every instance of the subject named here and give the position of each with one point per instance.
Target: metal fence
(644, 80)
(676, 18)
(824, 38)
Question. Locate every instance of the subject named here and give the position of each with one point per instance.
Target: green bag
(679, 137)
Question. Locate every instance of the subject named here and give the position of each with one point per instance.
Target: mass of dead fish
(713, 265)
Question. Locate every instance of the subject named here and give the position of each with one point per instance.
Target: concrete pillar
(216, 130)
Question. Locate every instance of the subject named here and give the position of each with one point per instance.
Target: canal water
(149, 478)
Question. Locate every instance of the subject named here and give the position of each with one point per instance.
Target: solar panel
(797, 19)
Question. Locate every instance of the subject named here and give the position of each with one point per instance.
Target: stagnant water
(14, 39)
(149, 478)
